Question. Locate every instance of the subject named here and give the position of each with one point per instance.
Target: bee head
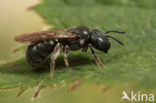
(101, 41)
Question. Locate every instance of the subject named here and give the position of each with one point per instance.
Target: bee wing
(45, 35)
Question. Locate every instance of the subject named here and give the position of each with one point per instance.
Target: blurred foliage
(134, 62)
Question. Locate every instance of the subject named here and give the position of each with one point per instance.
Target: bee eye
(100, 39)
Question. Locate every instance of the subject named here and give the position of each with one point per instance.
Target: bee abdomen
(37, 53)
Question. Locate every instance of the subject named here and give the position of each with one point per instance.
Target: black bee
(42, 44)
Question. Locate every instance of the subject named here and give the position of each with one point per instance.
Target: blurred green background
(16, 19)
(131, 67)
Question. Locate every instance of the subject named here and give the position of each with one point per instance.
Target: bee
(43, 43)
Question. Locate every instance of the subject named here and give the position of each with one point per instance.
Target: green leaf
(134, 62)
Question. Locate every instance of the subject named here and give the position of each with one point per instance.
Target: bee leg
(56, 52)
(96, 57)
(66, 58)
(85, 48)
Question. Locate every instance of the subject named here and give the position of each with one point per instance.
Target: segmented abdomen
(37, 53)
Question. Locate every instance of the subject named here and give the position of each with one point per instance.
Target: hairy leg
(66, 58)
(56, 52)
(96, 57)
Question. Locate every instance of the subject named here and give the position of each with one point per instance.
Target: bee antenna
(115, 39)
(114, 31)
